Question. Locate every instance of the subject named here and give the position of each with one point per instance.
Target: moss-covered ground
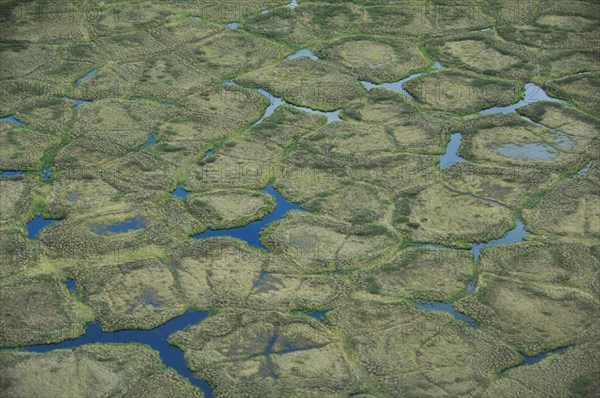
(333, 304)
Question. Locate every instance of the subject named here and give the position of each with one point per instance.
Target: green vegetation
(119, 370)
(173, 101)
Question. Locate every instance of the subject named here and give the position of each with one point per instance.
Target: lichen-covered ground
(333, 306)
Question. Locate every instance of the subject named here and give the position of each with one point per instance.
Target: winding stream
(12, 173)
(156, 338)
(78, 102)
(250, 233)
(533, 94)
(87, 76)
(451, 156)
(398, 86)
(12, 119)
(447, 308)
(276, 102)
(528, 361)
(515, 235)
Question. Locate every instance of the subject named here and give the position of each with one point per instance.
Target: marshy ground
(132, 131)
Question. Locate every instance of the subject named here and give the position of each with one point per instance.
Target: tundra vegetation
(333, 305)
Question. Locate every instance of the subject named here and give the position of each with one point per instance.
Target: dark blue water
(180, 192)
(447, 307)
(71, 286)
(87, 76)
(209, 152)
(276, 102)
(11, 118)
(515, 235)
(320, 316)
(37, 224)
(12, 173)
(533, 360)
(582, 172)
(120, 227)
(251, 233)
(47, 173)
(78, 102)
(155, 338)
(168, 104)
(528, 361)
(451, 156)
(533, 94)
(151, 141)
(305, 52)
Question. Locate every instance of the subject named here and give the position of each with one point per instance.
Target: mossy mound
(115, 370)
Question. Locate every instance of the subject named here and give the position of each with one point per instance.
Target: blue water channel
(78, 102)
(451, 157)
(87, 76)
(251, 233)
(12, 173)
(305, 52)
(37, 224)
(535, 359)
(528, 361)
(398, 86)
(156, 338)
(515, 235)
(12, 119)
(276, 102)
(448, 308)
(533, 94)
